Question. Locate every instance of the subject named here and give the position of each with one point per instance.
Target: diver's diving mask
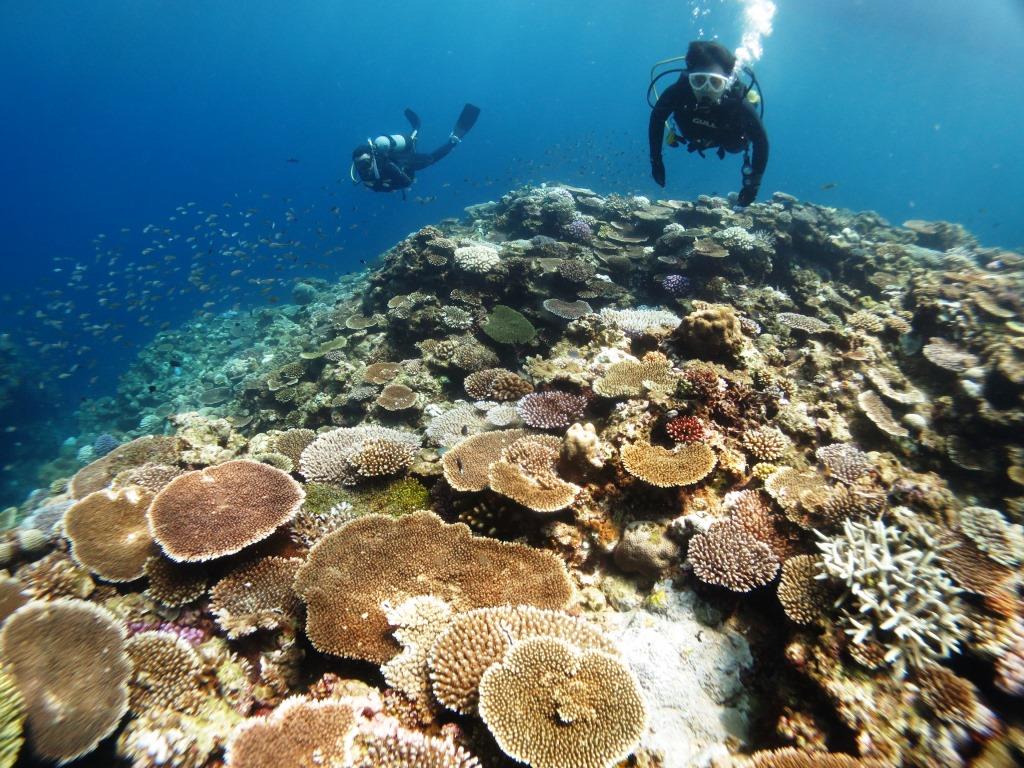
(708, 85)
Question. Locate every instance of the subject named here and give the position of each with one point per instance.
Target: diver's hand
(747, 195)
(453, 139)
(658, 171)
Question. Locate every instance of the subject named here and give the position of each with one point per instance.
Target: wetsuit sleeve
(396, 175)
(662, 109)
(754, 130)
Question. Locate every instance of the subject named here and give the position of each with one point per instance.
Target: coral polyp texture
(220, 510)
(552, 705)
(578, 480)
(896, 593)
(68, 661)
(350, 573)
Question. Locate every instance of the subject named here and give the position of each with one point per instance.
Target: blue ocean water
(117, 115)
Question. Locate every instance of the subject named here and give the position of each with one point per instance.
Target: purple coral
(579, 230)
(551, 410)
(676, 285)
(104, 444)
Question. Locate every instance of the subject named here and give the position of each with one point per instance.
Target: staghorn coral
(476, 639)
(12, 720)
(497, 384)
(300, 732)
(256, 596)
(220, 510)
(629, 378)
(766, 443)
(803, 597)
(551, 410)
(68, 661)
(552, 705)
(685, 465)
(174, 584)
(109, 533)
(896, 593)
(349, 573)
(167, 674)
(349, 454)
(727, 555)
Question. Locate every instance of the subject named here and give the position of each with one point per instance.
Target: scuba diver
(711, 108)
(387, 163)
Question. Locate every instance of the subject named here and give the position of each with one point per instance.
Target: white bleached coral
(896, 594)
(479, 258)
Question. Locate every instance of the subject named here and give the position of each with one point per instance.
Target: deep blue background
(115, 112)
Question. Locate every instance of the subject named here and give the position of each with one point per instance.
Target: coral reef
(574, 478)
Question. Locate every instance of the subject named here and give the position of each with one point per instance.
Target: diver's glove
(453, 139)
(749, 191)
(658, 171)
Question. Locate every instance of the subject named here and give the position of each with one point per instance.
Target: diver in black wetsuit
(387, 163)
(710, 111)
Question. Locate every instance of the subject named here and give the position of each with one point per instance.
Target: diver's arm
(754, 130)
(656, 131)
(393, 173)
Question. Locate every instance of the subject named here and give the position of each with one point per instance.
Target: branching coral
(896, 593)
(256, 596)
(476, 639)
(551, 410)
(220, 510)
(496, 384)
(349, 454)
(803, 597)
(729, 556)
(166, 674)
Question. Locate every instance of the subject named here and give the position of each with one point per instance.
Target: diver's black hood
(705, 54)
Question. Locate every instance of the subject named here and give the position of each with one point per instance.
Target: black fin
(466, 121)
(413, 118)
